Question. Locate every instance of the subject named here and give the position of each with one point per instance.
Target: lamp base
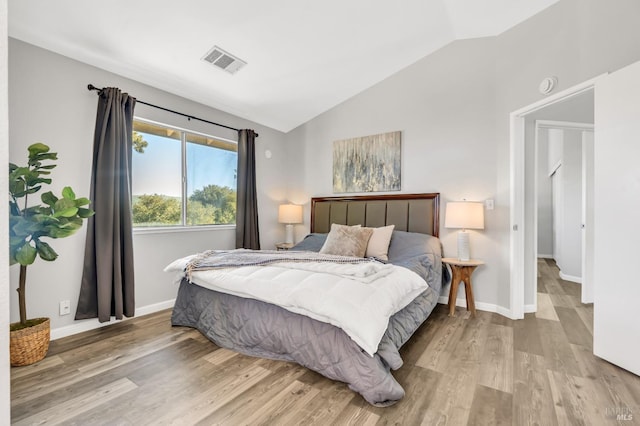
(288, 237)
(463, 245)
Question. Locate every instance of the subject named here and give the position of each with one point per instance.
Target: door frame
(517, 191)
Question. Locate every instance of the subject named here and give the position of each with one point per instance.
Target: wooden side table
(284, 246)
(461, 271)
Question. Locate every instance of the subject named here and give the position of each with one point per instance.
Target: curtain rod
(97, 89)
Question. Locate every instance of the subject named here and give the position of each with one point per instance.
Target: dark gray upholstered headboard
(408, 212)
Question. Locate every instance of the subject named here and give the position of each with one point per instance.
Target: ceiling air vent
(224, 60)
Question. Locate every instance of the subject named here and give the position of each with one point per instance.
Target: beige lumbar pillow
(378, 246)
(346, 240)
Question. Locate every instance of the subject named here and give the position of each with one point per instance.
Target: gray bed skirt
(264, 330)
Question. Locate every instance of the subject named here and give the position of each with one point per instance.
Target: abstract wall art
(367, 164)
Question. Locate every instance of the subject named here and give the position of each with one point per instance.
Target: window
(182, 178)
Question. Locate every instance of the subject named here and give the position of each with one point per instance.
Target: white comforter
(358, 302)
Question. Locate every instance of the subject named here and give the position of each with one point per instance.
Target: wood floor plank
(526, 335)
(546, 309)
(217, 395)
(438, 351)
(532, 399)
(421, 387)
(30, 388)
(72, 407)
(333, 398)
(571, 288)
(577, 400)
(220, 356)
(496, 364)
(357, 413)
(490, 407)
(574, 328)
(585, 312)
(557, 351)
(290, 399)
(451, 403)
(37, 368)
(139, 371)
(257, 396)
(424, 336)
(622, 387)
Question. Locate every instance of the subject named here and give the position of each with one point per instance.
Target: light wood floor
(481, 371)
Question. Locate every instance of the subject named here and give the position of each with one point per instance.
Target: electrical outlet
(488, 204)
(65, 307)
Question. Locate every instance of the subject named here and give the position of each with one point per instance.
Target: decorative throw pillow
(378, 246)
(345, 240)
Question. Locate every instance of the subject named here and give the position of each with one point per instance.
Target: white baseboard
(545, 256)
(571, 278)
(93, 323)
(481, 306)
(528, 309)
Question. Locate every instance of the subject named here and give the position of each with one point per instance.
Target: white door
(616, 328)
(587, 217)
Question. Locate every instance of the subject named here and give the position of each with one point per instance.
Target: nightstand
(461, 271)
(284, 246)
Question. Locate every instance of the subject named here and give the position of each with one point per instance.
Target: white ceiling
(303, 57)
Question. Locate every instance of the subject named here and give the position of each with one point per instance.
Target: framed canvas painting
(367, 164)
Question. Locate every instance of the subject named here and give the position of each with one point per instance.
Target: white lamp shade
(289, 213)
(464, 215)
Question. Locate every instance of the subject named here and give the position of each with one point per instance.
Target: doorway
(572, 105)
(564, 196)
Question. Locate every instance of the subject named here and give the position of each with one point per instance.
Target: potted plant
(58, 217)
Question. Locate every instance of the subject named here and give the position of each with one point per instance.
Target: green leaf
(68, 193)
(49, 198)
(26, 254)
(45, 156)
(85, 213)
(37, 148)
(63, 204)
(56, 232)
(45, 251)
(33, 190)
(70, 212)
(82, 201)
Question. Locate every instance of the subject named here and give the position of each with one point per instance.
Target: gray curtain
(247, 233)
(107, 287)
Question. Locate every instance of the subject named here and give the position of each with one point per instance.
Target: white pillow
(378, 246)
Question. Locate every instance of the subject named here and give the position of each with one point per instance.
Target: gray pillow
(420, 253)
(346, 240)
(312, 242)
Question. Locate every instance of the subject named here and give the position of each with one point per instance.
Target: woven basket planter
(30, 344)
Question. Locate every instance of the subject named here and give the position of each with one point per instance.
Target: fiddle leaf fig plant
(57, 217)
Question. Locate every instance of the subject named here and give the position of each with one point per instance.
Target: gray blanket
(260, 329)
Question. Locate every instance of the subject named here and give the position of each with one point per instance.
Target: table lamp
(464, 215)
(289, 214)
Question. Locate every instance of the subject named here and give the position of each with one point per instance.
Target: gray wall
(50, 103)
(453, 110)
(572, 199)
(545, 213)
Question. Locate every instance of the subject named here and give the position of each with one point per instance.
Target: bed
(243, 309)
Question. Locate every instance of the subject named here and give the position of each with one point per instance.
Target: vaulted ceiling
(303, 57)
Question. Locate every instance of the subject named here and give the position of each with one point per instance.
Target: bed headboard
(408, 212)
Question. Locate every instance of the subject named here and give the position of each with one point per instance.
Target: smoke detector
(547, 85)
(224, 60)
